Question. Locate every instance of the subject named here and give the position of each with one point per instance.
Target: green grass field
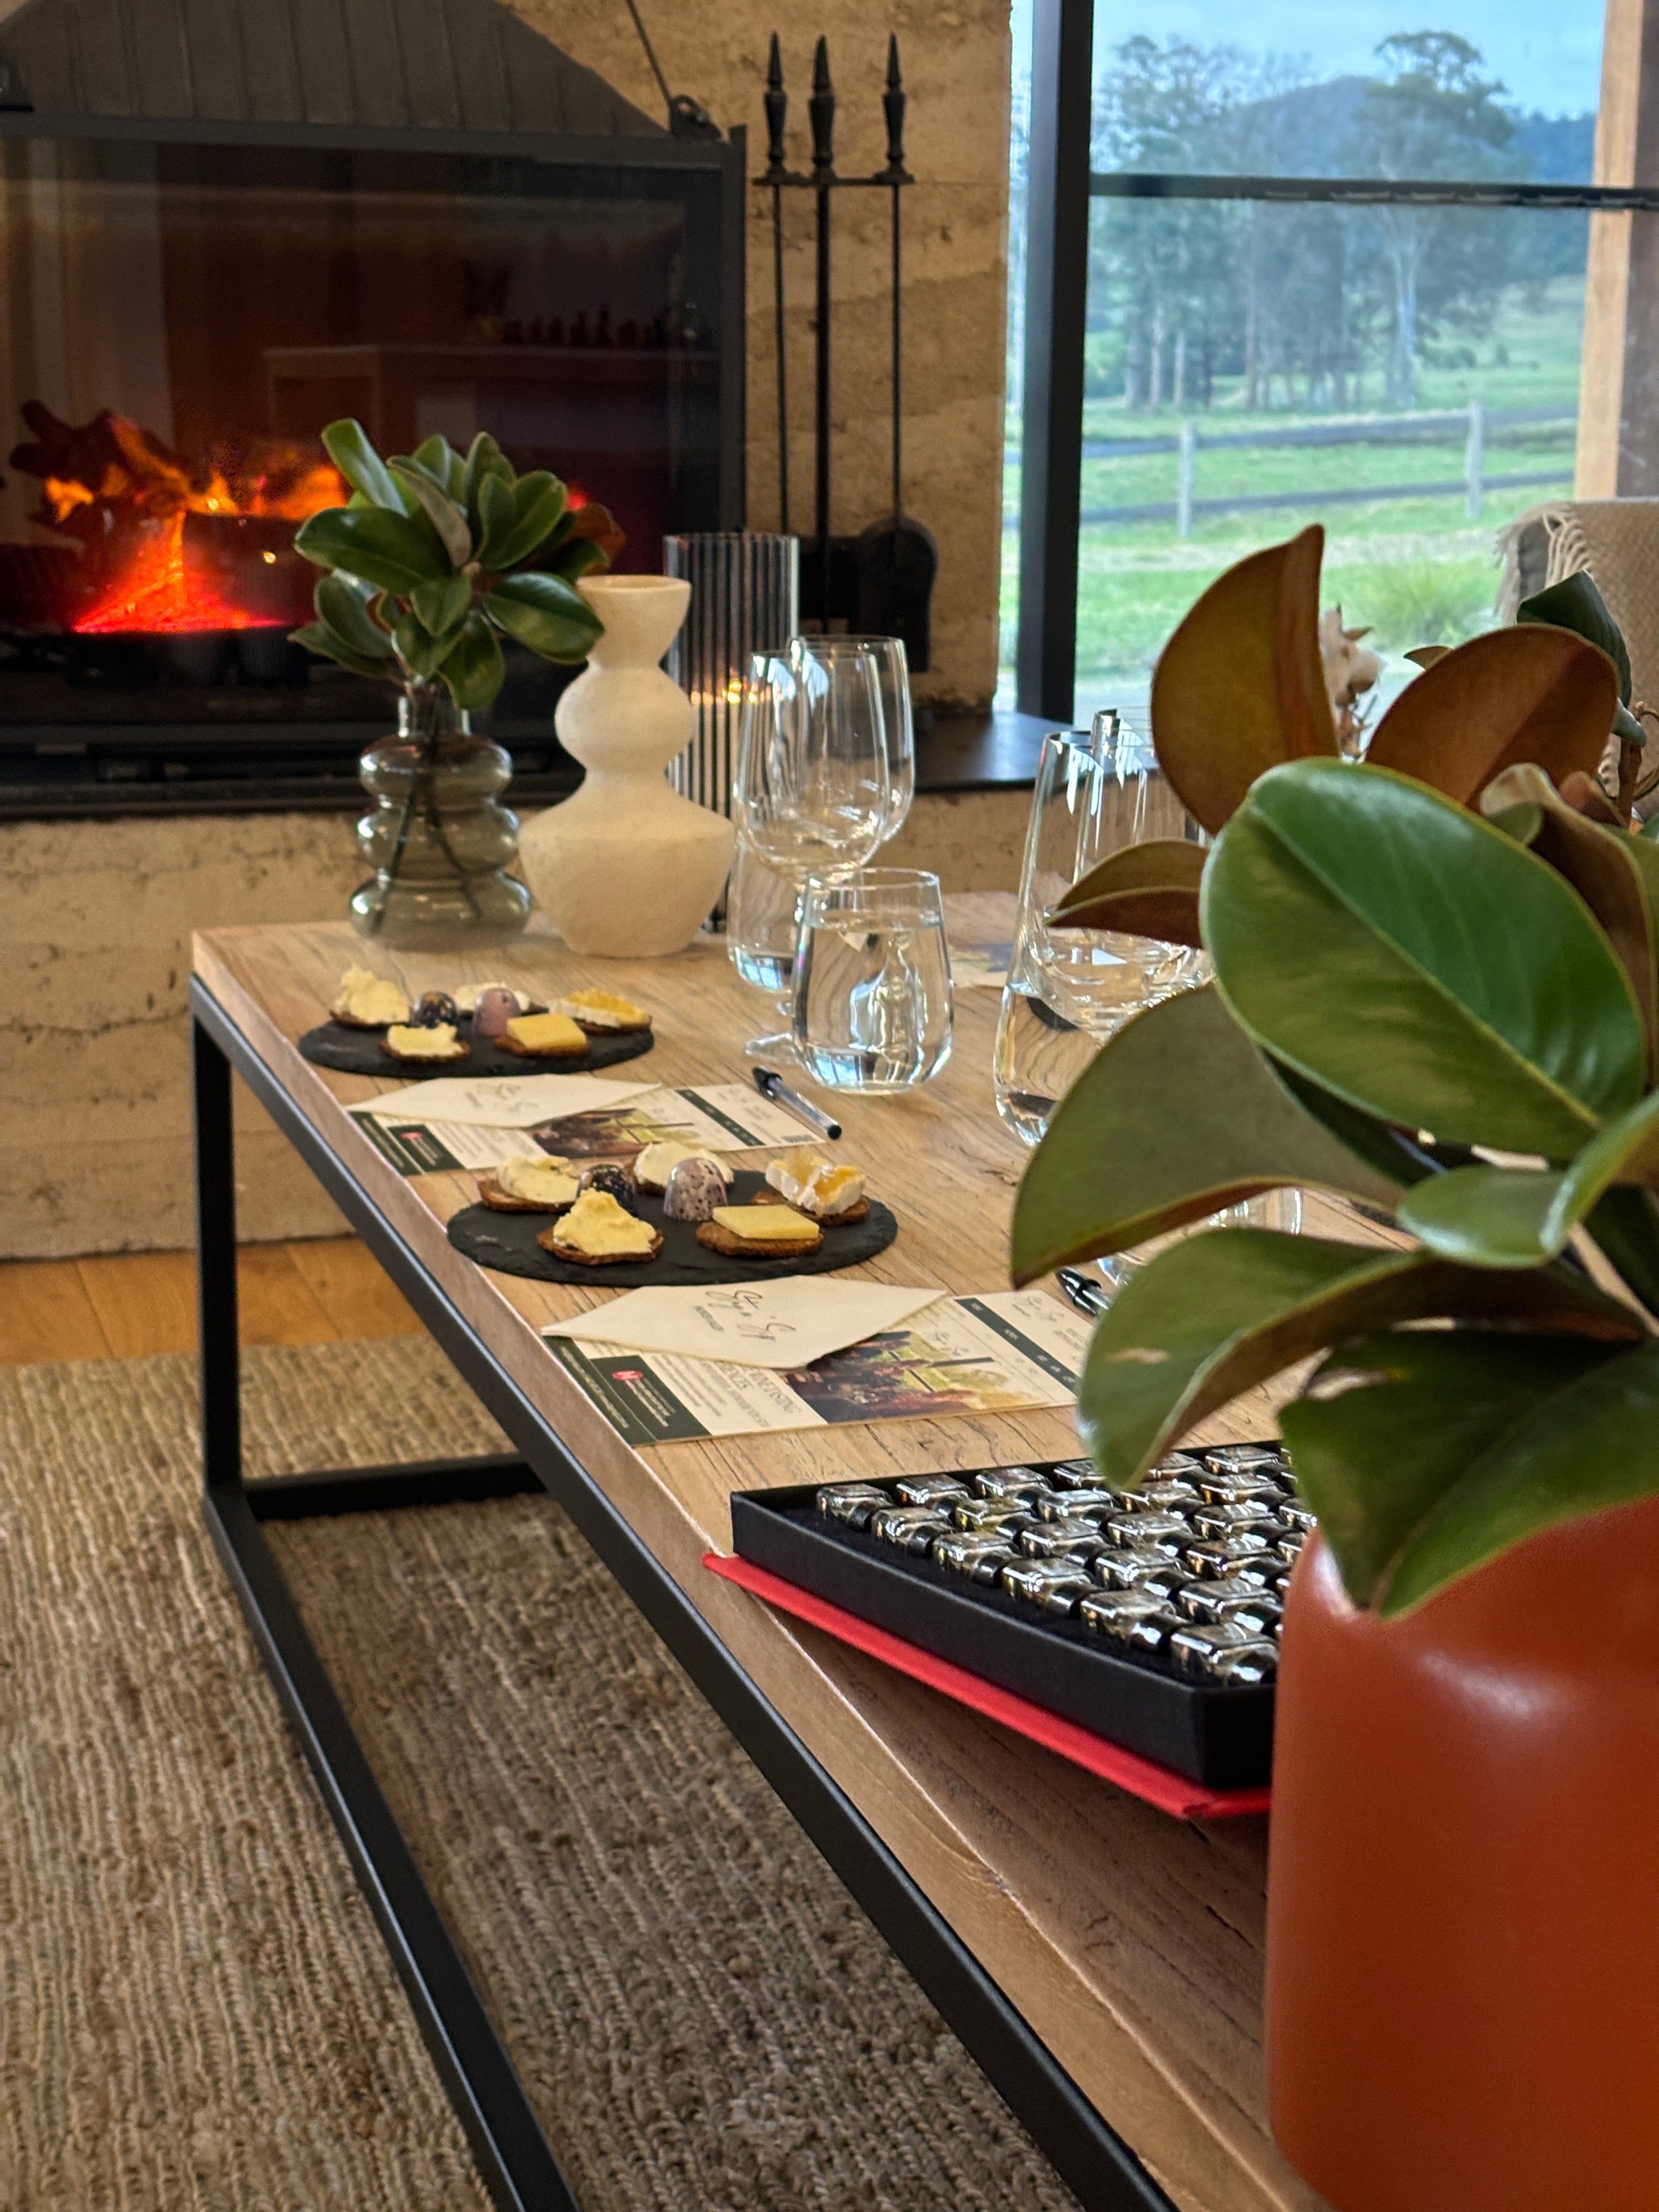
(1417, 570)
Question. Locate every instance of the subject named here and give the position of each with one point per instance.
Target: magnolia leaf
(484, 458)
(1427, 655)
(1524, 1037)
(1576, 604)
(1590, 1446)
(424, 652)
(381, 547)
(319, 637)
(539, 500)
(1627, 729)
(1390, 1425)
(442, 464)
(473, 668)
(1625, 1225)
(544, 613)
(344, 607)
(1584, 794)
(1491, 1216)
(346, 445)
(1175, 1116)
(446, 517)
(1240, 685)
(1616, 881)
(1537, 695)
(1397, 1154)
(1216, 1313)
(441, 606)
(1149, 890)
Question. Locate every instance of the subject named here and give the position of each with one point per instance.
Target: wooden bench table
(1101, 1961)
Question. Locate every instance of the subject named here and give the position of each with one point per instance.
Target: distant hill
(1561, 149)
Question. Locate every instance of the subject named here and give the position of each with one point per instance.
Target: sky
(1548, 53)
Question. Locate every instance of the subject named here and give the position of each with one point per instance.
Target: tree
(1433, 115)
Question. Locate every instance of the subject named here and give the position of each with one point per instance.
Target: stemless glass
(1068, 990)
(872, 981)
(811, 794)
(893, 668)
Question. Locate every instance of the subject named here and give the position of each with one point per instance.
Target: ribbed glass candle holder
(746, 599)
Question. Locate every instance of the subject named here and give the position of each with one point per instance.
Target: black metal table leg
(506, 2141)
(512, 2153)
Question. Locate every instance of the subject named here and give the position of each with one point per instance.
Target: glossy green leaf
(319, 637)
(1586, 1447)
(446, 517)
(343, 607)
(1576, 604)
(1176, 1116)
(1217, 1312)
(443, 465)
(425, 652)
(1389, 1426)
(1415, 961)
(545, 614)
(483, 458)
(498, 512)
(1149, 890)
(578, 556)
(473, 668)
(346, 445)
(539, 501)
(1628, 729)
(1510, 694)
(1616, 879)
(369, 541)
(1240, 685)
(1492, 1217)
(441, 606)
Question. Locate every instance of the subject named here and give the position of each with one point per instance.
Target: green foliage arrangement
(1436, 996)
(440, 555)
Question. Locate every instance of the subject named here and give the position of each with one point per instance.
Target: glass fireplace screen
(179, 321)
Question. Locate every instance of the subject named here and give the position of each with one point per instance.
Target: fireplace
(205, 255)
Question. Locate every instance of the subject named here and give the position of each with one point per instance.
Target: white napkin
(789, 1321)
(502, 1102)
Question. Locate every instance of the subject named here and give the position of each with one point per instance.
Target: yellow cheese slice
(549, 1033)
(766, 1225)
(604, 1009)
(596, 1224)
(439, 1042)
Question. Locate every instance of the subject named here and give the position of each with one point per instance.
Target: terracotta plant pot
(1463, 1893)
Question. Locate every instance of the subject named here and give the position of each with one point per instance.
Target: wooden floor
(125, 1305)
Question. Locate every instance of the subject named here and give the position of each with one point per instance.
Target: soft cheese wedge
(438, 1042)
(597, 1228)
(538, 1181)
(368, 1001)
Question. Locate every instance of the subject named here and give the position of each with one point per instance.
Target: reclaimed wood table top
(1130, 1942)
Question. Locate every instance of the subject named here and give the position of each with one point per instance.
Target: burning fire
(128, 499)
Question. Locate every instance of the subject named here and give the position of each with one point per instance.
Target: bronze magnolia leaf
(1149, 890)
(1240, 686)
(1584, 794)
(1529, 694)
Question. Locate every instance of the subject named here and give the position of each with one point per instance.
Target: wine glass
(813, 794)
(893, 668)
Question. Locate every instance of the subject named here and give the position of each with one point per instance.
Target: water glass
(1068, 990)
(872, 981)
(893, 670)
(760, 920)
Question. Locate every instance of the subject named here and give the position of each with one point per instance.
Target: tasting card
(789, 1321)
(479, 1123)
(1007, 1351)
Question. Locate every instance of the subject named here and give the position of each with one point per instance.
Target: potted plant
(437, 558)
(1444, 1006)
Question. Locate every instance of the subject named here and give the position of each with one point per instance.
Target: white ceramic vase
(626, 867)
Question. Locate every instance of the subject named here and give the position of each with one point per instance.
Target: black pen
(772, 1086)
(1088, 1296)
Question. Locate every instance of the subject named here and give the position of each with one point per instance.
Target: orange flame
(157, 592)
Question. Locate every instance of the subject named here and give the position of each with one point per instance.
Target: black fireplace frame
(70, 769)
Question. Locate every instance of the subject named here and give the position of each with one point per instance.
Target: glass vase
(439, 839)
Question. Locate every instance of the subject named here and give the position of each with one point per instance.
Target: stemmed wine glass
(813, 794)
(893, 670)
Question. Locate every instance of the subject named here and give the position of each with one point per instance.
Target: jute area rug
(195, 2007)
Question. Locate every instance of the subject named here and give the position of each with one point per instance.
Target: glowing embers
(157, 593)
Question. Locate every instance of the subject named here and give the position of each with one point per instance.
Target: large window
(1293, 264)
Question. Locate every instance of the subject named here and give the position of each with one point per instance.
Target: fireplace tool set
(881, 581)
